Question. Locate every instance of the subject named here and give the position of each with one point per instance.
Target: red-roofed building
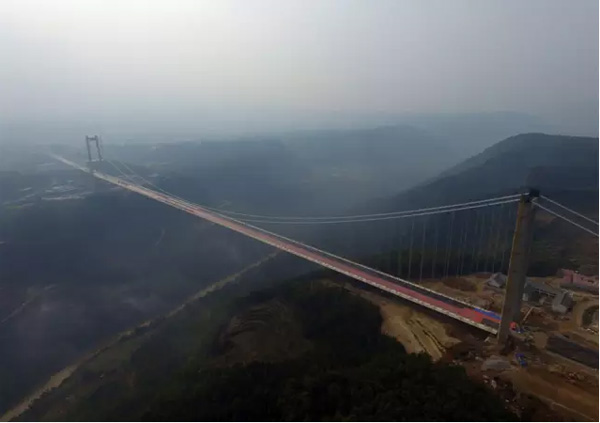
(575, 280)
(571, 276)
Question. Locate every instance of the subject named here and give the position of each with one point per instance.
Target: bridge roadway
(467, 313)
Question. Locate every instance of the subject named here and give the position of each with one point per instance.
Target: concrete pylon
(519, 262)
(89, 141)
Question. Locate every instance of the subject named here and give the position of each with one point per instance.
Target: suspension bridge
(474, 233)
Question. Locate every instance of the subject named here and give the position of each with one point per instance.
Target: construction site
(550, 357)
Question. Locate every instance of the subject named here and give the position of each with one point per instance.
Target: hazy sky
(215, 63)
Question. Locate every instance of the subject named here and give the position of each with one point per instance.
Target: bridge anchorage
(449, 241)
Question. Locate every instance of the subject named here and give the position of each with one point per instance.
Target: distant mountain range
(477, 130)
(353, 157)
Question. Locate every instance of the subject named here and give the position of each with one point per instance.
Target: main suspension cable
(329, 219)
(566, 219)
(302, 222)
(568, 209)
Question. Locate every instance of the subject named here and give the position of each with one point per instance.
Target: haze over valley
(288, 204)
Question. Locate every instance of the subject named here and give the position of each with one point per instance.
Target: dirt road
(416, 331)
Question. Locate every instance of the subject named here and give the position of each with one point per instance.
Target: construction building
(562, 303)
(497, 280)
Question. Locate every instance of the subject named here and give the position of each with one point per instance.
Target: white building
(497, 280)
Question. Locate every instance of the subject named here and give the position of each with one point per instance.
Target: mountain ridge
(509, 166)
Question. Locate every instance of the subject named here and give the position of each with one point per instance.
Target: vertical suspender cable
(389, 241)
(461, 251)
(423, 248)
(400, 246)
(460, 234)
(490, 240)
(507, 237)
(499, 224)
(486, 239)
(466, 246)
(435, 247)
(475, 233)
(487, 242)
(382, 248)
(481, 232)
(355, 240)
(393, 244)
(412, 227)
(449, 244)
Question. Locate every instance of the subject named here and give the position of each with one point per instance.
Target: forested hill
(563, 167)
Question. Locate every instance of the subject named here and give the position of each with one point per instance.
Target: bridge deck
(483, 319)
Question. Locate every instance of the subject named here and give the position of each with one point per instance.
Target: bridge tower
(519, 262)
(90, 141)
(93, 164)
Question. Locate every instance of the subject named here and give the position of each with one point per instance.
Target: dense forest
(352, 373)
